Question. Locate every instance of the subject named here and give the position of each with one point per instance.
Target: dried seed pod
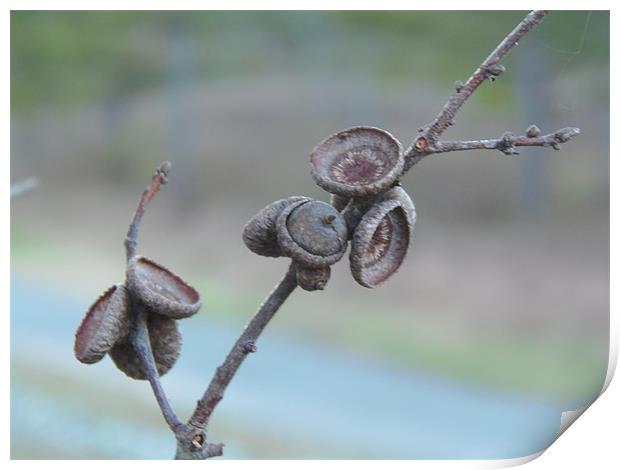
(357, 162)
(106, 322)
(165, 344)
(260, 234)
(311, 279)
(381, 239)
(313, 233)
(162, 291)
(339, 202)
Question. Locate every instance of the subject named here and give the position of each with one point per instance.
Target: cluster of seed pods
(360, 167)
(151, 290)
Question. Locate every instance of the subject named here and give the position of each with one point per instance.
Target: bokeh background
(497, 321)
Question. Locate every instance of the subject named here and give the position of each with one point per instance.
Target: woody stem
(159, 178)
(141, 344)
(244, 345)
(140, 339)
(488, 69)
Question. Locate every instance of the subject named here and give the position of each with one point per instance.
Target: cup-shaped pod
(312, 233)
(166, 343)
(357, 162)
(382, 237)
(162, 291)
(106, 323)
(260, 233)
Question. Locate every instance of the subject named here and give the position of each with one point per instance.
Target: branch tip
(159, 177)
(566, 134)
(508, 143)
(163, 171)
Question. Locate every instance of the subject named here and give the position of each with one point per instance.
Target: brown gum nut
(382, 238)
(260, 234)
(162, 291)
(357, 162)
(165, 343)
(313, 233)
(106, 322)
(311, 279)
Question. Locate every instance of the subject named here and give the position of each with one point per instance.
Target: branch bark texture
(508, 143)
(141, 344)
(159, 177)
(191, 439)
(426, 141)
(245, 345)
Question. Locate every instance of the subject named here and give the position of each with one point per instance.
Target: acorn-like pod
(162, 291)
(260, 234)
(312, 233)
(165, 343)
(311, 279)
(106, 323)
(357, 162)
(381, 239)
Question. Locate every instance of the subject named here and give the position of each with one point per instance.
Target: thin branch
(489, 69)
(245, 344)
(159, 178)
(140, 340)
(22, 187)
(508, 143)
(141, 343)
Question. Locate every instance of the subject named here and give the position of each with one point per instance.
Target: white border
(591, 442)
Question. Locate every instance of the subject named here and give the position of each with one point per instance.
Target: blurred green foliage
(73, 58)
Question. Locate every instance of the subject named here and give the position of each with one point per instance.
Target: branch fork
(428, 142)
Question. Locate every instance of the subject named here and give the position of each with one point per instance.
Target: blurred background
(497, 321)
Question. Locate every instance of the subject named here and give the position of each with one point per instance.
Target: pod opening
(357, 162)
(387, 248)
(163, 282)
(381, 239)
(360, 166)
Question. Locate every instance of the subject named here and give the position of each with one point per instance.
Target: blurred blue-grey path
(291, 395)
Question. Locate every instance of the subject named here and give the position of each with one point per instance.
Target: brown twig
(159, 177)
(508, 143)
(191, 438)
(141, 344)
(245, 345)
(140, 339)
(427, 139)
